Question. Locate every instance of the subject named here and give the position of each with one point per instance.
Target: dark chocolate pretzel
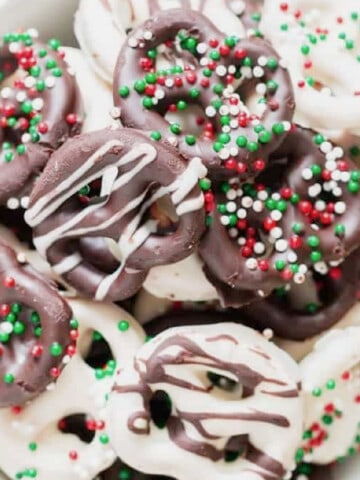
(39, 109)
(337, 291)
(267, 233)
(220, 73)
(35, 331)
(101, 188)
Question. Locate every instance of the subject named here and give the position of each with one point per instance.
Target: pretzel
(331, 393)
(35, 330)
(40, 108)
(219, 74)
(301, 213)
(73, 217)
(232, 399)
(34, 438)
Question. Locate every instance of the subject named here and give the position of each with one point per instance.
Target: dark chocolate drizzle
(152, 371)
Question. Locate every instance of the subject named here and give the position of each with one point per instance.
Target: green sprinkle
(19, 328)
(353, 187)
(156, 135)
(264, 137)
(21, 149)
(147, 102)
(241, 141)
(331, 384)
(139, 86)
(313, 241)
(124, 91)
(55, 349)
(104, 439)
(8, 378)
(315, 256)
(339, 230)
(175, 128)
(32, 446)
(190, 140)
(182, 105)
(123, 325)
(317, 392)
(327, 419)
(280, 265)
(54, 43)
(194, 93)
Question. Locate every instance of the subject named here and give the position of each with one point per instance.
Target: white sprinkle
(259, 248)
(337, 192)
(159, 93)
(21, 97)
(24, 202)
(21, 258)
(13, 203)
(231, 207)
(336, 175)
(258, 206)
(115, 113)
(204, 61)
(233, 232)
(29, 81)
(340, 208)
(299, 278)
(251, 264)
(26, 138)
(307, 174)
(246, 72)
(6, 92)
(226, 129)
(7, 327)
(263, 195)
(321, 267)
(276, 215)
(224, 154)
(234, 151)
(276, 233)
(224, 220)
(262, 60)
(148, 35)
(201, 48)
(133, 42)
(231, 194)
(260, 89)
(292, 257)
(268, 333)
(37, 104)
(258, 72)
(14, 47)
(234, 124)
(224, 110)
(345, 176)
(330, 165)
(314, 190)
(303, 269)
(287, 126)
(169, 82)
(320, 205)
(241, 213)
(338, 152)
(210, 111)
(241, 241)
(221, 70)
(326, 147)
(232, 69)
(247, 202)
(281, 245)
(276, 196)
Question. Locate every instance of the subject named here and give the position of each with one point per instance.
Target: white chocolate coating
(177, 361)
(95, 93)
(334, 107)
(101, 25)
(181, 281)
(76, 392)
(331, 386)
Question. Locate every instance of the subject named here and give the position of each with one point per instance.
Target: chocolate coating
(28, 360)
(176, 87)
(313, 472)
(339, 291)
(74, 230)
(43, 87)
(120, 468)
(279, 213)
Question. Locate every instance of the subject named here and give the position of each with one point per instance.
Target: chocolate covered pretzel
(217, 73)
(35, 331)
(301, 213)
(40, 108)
(96, 210)
(335, 293)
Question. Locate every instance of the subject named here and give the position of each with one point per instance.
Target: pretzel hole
(235, 448)
(309, 298)
(164, 212)
(98, 355)
(192, 120)
(160, 408)
(80, 425)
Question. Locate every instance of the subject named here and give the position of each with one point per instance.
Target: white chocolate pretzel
(232, 393)
(331, 386)
(319, 43)
(30, 439)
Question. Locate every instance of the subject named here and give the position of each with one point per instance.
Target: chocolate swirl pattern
(33, 443)
(35, 330)
(235, 406)
(40, 107)
(219, 74)
(72, 225)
